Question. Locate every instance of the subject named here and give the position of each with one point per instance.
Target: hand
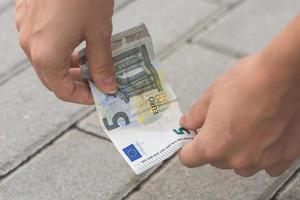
(249, 120)
(50, 30)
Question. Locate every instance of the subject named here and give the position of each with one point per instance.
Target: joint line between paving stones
(44, 147)
(201, 27)
(274, 189)
(139, 186)
(215, 47)
(14, 71)
(91, 133)
(284, 184)
(30, 157)
(220, 49)
(124, 5)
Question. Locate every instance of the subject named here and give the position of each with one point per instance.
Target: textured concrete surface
(167, 22)
(204, 183)
(30, 117)
(292, 190)
(78, 166)
(11, 53)
(252, 25)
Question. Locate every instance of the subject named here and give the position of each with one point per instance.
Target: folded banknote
(141, 118)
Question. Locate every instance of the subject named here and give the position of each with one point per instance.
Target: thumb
(99, 56)
(195, 117)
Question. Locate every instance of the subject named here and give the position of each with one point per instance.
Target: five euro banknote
(141, 118)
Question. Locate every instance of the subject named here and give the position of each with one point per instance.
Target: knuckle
(23, 39)
(240, 163)
(61, 95)
(39, 57)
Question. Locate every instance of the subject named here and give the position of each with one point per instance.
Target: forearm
(282, 56)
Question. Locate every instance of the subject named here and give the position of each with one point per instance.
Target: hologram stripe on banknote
(142, 116)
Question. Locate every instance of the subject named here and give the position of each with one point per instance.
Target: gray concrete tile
(167, 22)
(30, 117)
(189, 71)
(252, 25)
(292, 190)
(77, 166)
(5, 4)
(204, 183)
(91, 124)
(10, 52)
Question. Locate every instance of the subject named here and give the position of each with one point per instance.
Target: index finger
(66, 88)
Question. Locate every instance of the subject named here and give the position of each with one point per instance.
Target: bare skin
(50, 30)
(250, 117)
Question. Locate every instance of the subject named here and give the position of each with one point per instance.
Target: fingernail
(182, 120)
(110, 85)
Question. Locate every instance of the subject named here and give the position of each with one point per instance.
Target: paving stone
(167, 22)
(252, 25)
(292, 190)
(189, 70)
(77, 166)
(91, 124)
(5, 4)
(204, 183)
(11, 53)
(30, 117)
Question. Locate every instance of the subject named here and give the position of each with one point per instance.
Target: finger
(74, 60)
(100, 63)
(66, 88)
(75, 73)
(193, 153)
(195, 117)
(247, 172)
(278, 169)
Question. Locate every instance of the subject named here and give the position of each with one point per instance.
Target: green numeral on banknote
(115, 119)
(181, 131)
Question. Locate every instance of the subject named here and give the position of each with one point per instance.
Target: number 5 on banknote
(116, 117)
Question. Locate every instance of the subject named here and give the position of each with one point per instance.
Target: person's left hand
(249, 120)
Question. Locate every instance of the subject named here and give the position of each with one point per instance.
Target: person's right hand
(50, 30)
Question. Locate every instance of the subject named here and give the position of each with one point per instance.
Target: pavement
(51, 149)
